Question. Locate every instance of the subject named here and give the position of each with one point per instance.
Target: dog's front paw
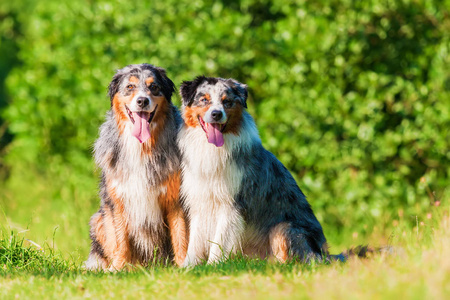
(215, 259)
(190, 263)
(94, 263)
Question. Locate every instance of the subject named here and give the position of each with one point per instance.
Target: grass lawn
(419, 268)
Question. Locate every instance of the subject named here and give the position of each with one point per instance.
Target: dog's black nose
(216, 115)
(142, 102)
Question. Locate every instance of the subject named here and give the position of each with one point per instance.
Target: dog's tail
(362, 252)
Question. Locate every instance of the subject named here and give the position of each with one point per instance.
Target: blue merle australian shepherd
(239, 196)
(140, 218)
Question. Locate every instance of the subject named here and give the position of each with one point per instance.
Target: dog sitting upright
(239, 197)
(140, 218)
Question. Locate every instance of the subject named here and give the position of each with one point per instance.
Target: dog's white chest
(210, 177)
(132, 186)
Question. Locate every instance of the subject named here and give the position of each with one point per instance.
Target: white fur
(132, 185)
(93, 262)
(210, 180)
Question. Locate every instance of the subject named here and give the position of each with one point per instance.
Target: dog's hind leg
(97, 259)
(288, 243)
(178, 233)
(175, 217)
(109, 239)
(279, 242)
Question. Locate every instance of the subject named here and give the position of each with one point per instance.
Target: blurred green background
(352, 96)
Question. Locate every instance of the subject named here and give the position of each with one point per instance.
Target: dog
(140, 219)
(238, 196)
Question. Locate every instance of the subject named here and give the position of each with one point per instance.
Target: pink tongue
(141, 128)
(214, 135)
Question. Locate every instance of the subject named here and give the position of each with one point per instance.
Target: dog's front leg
(197, 236)
(121, 254)
(228, 236)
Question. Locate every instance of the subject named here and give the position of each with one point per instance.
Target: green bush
(352, 96)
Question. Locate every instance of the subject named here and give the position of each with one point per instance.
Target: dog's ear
(240, 90)
(188, 90)
(168, 87)
(114, 85)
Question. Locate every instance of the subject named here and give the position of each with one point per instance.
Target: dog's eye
(227, 103)
(130, 87)
(154, 88)
(204, 100)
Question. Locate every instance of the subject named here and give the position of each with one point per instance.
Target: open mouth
(214, 132)
(205, 125)
(141, 123)
(142, 114)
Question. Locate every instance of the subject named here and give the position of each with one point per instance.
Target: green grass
(56, 211)
(419, 268)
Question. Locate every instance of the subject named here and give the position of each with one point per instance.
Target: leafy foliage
(352, 96)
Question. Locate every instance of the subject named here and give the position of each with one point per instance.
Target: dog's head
(214, 104)
(137, 93)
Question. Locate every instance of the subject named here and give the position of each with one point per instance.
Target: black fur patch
(114, 85)
(96, 247)
(114, 156)
(189, 88)
(240, 90)
(167, 86)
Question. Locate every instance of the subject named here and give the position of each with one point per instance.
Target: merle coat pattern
(140, 218)
(239, 196)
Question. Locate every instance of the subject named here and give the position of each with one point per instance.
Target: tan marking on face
(191, 114)
(279, 243)
(234, 122)
(133, 79)
(119, 109)
(122, 117)
(224, 97)
(149, 80)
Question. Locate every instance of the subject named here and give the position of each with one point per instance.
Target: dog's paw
(94, 264)
(190, 263)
